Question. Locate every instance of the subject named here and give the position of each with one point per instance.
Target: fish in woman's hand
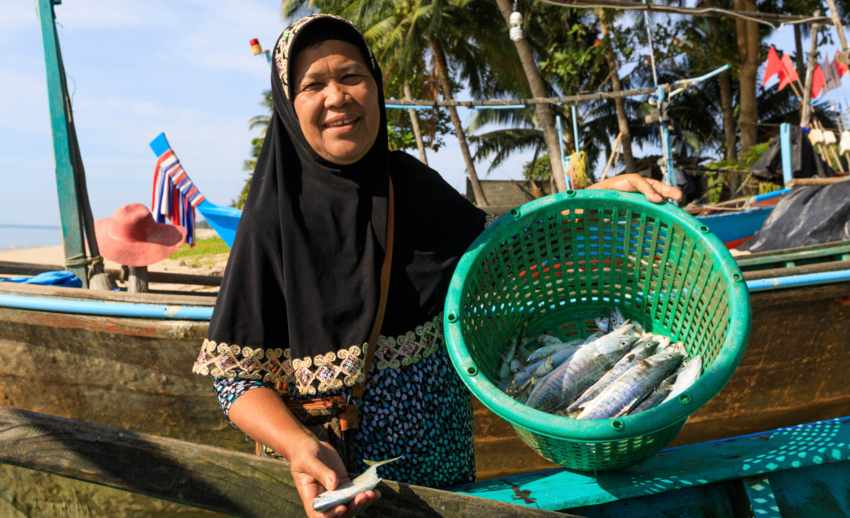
(366, 481)
(561, 386)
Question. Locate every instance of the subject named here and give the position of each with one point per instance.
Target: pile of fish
(616, 371)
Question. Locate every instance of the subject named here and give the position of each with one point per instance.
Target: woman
(301, 290)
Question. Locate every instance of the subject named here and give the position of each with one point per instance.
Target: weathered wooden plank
(812, 444)
(16, 268)
(831, 266)
(110, 296)
(802, 253)
(199, 475)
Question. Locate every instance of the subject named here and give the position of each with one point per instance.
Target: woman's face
(336, 101)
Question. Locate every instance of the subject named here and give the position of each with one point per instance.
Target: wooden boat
(124, 360)
(802, 469)
(135, 372)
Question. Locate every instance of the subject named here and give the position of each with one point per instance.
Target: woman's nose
(334, 94)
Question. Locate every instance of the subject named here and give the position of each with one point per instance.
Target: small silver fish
(346, 492)
(610, 322)
(643, 349)
(547, 350)
(545, 368)
(632, 386)
(561, 386)
(505, 369)
(547, 339)
(657, 395)
(687, 375)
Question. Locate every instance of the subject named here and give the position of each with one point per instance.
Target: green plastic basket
(556, 263)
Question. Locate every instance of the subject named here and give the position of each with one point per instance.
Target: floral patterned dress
(415, 405)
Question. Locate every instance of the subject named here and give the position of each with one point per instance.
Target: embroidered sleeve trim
(322, 373)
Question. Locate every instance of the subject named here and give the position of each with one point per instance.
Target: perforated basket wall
(556, 263)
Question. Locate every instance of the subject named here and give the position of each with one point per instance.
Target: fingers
(641, 185)
(666, 191)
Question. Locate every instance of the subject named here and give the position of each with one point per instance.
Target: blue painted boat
(733, 228)
(800, 470)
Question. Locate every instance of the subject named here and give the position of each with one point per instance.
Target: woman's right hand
(317, 467)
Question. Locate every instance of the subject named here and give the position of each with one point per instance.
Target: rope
(651, 46)
(563, 100)
(80, 261)
(762, 18)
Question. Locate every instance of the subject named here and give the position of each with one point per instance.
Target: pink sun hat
(132, 237)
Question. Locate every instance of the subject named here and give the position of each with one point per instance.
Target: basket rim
(648, 422)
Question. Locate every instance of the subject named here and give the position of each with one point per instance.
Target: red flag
(840, 67)
(789, 72)
(818, 80)
(773, 66)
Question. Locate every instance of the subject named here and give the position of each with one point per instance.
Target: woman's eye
(351, 79)
(311, 87)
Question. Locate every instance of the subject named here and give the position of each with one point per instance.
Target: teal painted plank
(72, 231)
(760, 495)
(711, 501)
(815, 491)
(820, 442)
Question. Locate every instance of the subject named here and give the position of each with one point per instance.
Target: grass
(203, 247)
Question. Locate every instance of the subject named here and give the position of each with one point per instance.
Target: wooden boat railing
(803, 468)
(198, 475)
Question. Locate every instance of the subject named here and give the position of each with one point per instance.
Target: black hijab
(303, 275)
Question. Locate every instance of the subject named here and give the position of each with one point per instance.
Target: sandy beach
(54, 255)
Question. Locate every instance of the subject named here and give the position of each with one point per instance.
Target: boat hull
(136, 374)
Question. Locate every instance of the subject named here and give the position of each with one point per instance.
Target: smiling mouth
(342, 122)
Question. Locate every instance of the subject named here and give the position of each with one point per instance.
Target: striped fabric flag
(174, 196)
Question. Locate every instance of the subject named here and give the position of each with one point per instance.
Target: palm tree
(260, 122)
(616, 86)
(538, 89)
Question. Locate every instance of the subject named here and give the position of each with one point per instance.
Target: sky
(138, 67)
(135, 68)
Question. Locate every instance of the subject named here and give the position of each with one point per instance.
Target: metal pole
(576, 139)
(785, 148)
(666, 145)
(564, 159)
(57, 94)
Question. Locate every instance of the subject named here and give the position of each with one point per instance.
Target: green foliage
(262, 122)
(202, 247)
(538, 169)
(718, 173)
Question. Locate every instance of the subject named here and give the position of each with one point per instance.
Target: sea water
(29, 236)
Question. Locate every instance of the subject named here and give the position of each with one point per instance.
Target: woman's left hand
(654, 190)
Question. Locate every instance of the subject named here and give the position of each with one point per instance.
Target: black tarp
(807, 215)
(805, 161)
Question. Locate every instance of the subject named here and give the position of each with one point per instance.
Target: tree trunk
(544, 113)
(446, 87)
(806, 110)
(619, 102)
(798, 45)
(414, 122)
(725, 82)
(749, 40)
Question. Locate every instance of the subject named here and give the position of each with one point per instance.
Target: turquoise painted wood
(814, 491)
(710, 501)
(761, 498)
(777, 454)
(57, 93)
